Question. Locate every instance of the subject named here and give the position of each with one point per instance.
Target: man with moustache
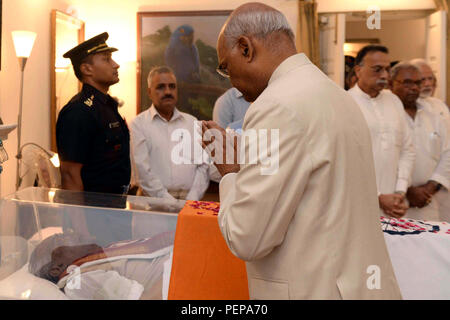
(392, 144)
(310, 229)
(431, 138)
(153, 134)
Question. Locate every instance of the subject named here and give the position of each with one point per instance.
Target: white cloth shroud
(102, 285)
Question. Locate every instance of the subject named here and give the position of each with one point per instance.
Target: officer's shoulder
(76, 108)
(83, 99)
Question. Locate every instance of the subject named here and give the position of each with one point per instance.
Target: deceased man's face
(64, 256)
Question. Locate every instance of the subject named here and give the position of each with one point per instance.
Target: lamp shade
(23, 42)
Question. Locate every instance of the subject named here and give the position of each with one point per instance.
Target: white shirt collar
(423, 104)
(176, 114)
(364, 95)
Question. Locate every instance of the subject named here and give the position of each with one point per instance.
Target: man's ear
(86, 69)
(246, 48)
(357, 70)
(149, 91)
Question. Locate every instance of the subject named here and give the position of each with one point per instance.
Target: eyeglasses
(223, 71)
(409, 83)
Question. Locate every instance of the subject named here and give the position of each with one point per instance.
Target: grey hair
(402, 66)
(157, 70)
(419, 62)
(257, 23)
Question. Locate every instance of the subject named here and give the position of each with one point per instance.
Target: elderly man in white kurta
(437, 106)
(431, 138)
(310, 229)
(392, 143)
(427, 88)
(160, 171)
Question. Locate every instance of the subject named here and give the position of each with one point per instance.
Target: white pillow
(24, 285)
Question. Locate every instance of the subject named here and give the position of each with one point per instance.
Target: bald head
(259, 21)
(254, 41)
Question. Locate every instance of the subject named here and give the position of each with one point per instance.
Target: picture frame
(66, 32)
(186, 42)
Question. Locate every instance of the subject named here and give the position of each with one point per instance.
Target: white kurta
(437, 106)
(392, 143)
(152, 145)
(443, 196)
(432, 144)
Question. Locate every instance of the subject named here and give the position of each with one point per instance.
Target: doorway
(408, 34)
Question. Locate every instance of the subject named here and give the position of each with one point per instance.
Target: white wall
(118, 18)
(405, 39)
(32, 15)
(362, 5)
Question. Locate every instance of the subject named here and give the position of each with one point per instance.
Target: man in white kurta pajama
(431, 138)
(392, 143)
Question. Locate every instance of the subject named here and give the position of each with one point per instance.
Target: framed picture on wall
(186, 42)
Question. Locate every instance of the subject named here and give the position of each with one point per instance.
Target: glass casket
(59, 244)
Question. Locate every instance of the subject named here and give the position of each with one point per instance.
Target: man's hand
(419, 196)
(210, 145)
(431, 187)
(393, 204)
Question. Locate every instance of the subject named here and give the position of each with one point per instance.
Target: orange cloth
(203, 267)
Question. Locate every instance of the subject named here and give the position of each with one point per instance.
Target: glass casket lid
(55, 244)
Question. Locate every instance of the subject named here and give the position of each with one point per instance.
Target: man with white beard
(392, 144)
(437, 106)
(427, 89)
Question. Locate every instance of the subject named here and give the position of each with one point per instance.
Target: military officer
(92, 138)
(93, 141)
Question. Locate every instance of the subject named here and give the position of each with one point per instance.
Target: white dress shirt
(432, 144)
(152, 145)
(392, 142)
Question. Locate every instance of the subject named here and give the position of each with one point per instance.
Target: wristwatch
(437, 186)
